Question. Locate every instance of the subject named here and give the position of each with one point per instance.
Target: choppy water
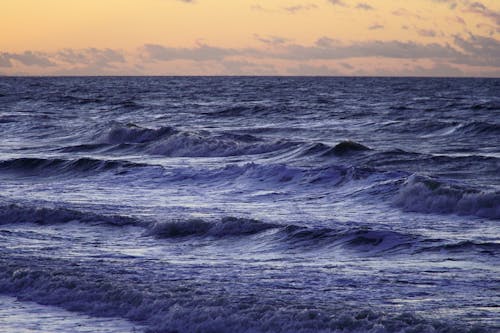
(250, 204)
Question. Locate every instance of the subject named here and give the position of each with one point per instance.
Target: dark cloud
(364, 6)
(27, 58)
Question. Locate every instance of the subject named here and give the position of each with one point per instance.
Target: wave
(227, 226)
(490, 248)
(478, 127)
(238, 111)
(8, 119)
(342, 148)
(282, 236)
(346, 147)
(490, 105)
(279, 175)
(14, 213)
(56, 166)
(426, 195)
(172, 142)
(358, 239)
(288, 236)
(131, 133)
(113, 290)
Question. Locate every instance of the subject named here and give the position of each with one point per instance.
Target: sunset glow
(250, 37)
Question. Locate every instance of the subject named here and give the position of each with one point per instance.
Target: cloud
(27, 58)
(406, 13)
(338, 3)
(473, 51)
(478, 51)
(5, 60)
(299, 8)
(468, 52)
(480, 9)
(325, 42)
(459, 20)
(364, 6)
(376, 26)
(91, 56)
(451, 3)
(346, 65)
(326, 49)
(202, 52)
(271, 40)
(311, 70)
(259, 8)
(426, 32)
(243, 67)
(435, 70)
(490, 28)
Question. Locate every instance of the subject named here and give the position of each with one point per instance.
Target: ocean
(249, 204)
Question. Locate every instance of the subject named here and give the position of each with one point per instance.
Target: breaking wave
(168, 141)
(181, 306)
(227, 226)
(426, 195)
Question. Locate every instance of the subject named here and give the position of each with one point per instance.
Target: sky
(250, 37)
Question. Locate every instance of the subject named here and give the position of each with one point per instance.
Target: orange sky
(250, 37)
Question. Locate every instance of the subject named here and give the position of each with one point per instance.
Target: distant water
(212, 204)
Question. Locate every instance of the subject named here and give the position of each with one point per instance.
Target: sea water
(249, 204)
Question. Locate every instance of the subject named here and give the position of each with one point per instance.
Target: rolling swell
(280, 236)
(14, 213)
(54, 166)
